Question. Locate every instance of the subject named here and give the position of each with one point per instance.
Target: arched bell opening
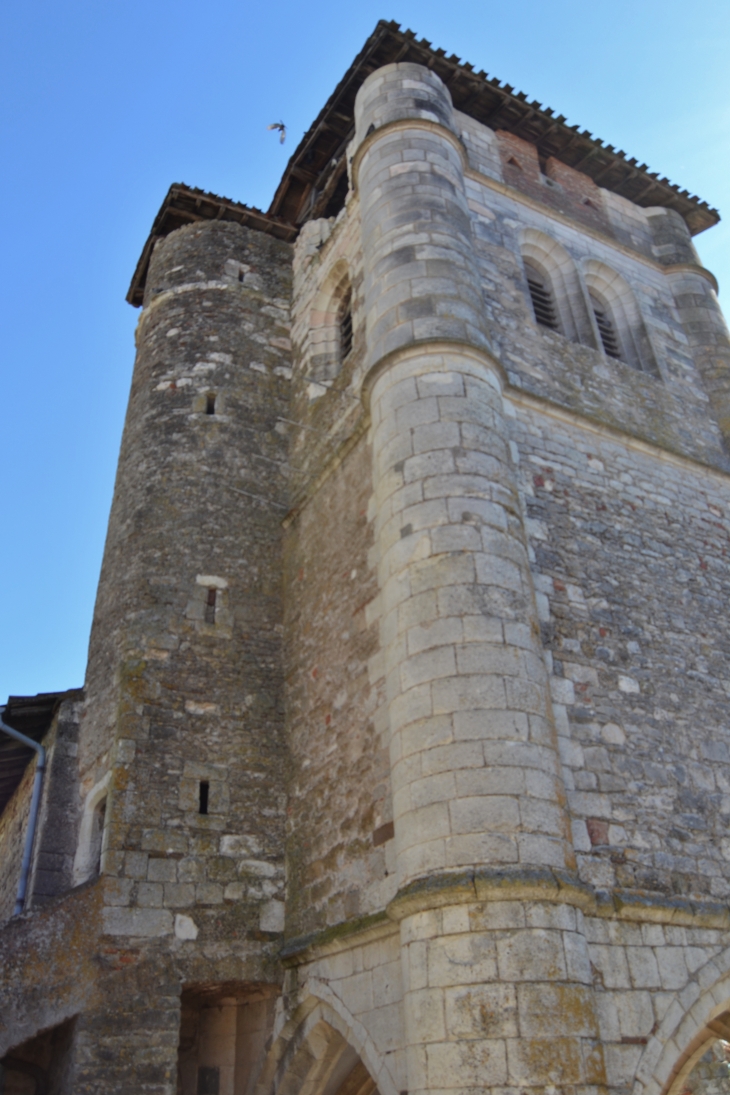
(621, 329)
(554, 288)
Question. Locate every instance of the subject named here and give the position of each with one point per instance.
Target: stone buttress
(695, 296)
(496, 976)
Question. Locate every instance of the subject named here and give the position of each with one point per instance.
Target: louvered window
(346, 328)
(542, 299)
(606, 329)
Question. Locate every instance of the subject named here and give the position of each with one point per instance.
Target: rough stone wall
(630, 557)
(339, 794)
(339, 858)
(58, 820)
(13, 826)
(57, 827)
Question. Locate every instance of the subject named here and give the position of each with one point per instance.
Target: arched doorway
(321, 1050)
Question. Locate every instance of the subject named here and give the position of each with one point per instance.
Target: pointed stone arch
(699, 1016)
(321, 1049)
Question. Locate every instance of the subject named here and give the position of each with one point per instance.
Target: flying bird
(282, 130)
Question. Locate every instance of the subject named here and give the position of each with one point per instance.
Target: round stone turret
(475, 771)
(421, 280)
(479, 805)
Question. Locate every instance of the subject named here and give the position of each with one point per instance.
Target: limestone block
(425, 1020)
(481, 1011)
(544, 1009)
(672, 967)
(462, 959)
(470, 1063)
(148, 923)
(536, 1061)
(149, 894)
(531, 955)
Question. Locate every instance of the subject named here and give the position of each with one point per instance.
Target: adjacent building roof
(314, 183)
(32, 716)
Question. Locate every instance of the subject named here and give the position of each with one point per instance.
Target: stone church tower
(401, 763)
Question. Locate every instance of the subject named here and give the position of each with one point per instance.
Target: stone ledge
(398, 125)
(432, 347)
(337, 937)
(657, 909)
(484, 885)
(491, 884)
(582, 419)
(557, 887)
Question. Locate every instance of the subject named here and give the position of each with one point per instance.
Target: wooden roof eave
(494, 104)
(185, 205)
(313, 170)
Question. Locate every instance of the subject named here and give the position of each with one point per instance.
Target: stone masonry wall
(339, 794)
(671, 410)
(630, 557)
(13, 826)
(199, 508)
(339, 857)
(57, 826)
(58, 820)
(627, 539)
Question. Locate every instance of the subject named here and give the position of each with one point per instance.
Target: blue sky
(103, 105)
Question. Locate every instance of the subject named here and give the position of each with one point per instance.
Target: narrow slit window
(542, 299)
(346, 327)
(203, 796)
(97, 837)
(606, 329)
(210, 403)
(210, 602)
(240, 275)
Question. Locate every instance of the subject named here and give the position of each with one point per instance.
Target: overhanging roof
(185, 205)
(315, 180)
(308, 179)
(32, 716)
